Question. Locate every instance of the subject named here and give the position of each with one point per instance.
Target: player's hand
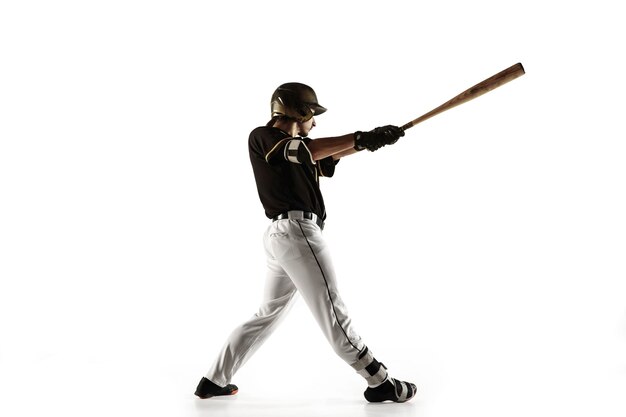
(390, 134)
(377, 138)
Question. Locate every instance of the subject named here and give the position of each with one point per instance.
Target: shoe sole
(204, 397)
(394, 399)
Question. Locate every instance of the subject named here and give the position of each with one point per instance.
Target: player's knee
(274, 308)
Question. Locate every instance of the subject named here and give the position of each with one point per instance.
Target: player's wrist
(357, 138)
(372, 140)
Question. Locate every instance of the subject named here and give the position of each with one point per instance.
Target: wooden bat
(479, 89)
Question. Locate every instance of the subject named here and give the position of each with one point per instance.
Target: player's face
(305, 127)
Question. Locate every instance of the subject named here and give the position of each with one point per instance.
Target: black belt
(298, 215)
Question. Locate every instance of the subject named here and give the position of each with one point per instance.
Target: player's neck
(288, 126)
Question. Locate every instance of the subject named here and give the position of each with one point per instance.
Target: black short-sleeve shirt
(287, 177)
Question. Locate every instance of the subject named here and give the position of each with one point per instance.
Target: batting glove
(377, 138)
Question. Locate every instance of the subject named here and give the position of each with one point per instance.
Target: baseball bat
(471, 93)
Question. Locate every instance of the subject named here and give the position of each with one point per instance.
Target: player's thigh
(278, 285)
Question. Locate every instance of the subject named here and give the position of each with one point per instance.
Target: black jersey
(287, 177)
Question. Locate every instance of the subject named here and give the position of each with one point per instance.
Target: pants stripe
(327, 288)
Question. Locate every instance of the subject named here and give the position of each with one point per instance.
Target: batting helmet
(297, 101)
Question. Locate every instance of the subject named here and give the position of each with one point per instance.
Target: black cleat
(391, 390)
(207, 389)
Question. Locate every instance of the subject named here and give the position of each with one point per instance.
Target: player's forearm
(344, 153)
(324, 147)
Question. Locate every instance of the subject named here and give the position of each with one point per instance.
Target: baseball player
(287, 165)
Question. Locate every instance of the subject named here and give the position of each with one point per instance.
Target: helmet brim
(317, 109)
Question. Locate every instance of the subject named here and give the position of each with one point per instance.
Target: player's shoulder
(267, 132)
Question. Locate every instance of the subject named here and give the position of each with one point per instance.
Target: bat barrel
(479, 89)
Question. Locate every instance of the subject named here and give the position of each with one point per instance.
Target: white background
(481, 257)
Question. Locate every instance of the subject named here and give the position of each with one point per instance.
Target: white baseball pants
(297, 260)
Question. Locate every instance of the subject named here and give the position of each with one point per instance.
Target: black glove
(377, 138)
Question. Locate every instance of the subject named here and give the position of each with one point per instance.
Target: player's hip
(292, 238)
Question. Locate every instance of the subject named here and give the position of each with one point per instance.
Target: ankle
(374, 372)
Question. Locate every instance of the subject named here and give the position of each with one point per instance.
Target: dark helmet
(297, 101)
